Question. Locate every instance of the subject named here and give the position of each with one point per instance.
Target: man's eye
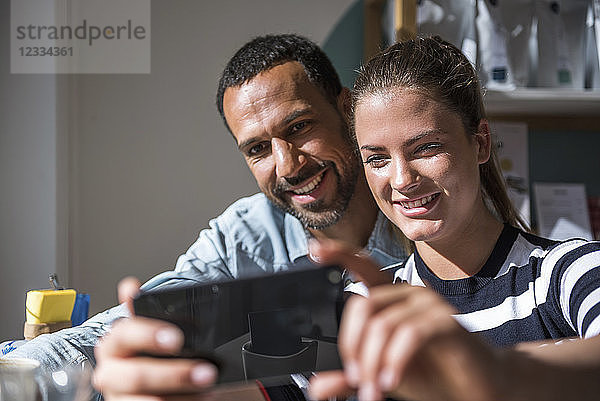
(376, 161)
(298, 126)
(256, 150)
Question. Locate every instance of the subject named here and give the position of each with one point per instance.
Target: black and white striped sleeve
(575, 284)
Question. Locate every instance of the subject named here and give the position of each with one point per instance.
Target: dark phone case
(259, 326)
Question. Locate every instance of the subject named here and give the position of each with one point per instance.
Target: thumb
(128, 288)
(327, 251)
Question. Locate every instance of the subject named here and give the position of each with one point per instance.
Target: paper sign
(511, 144)
(561, 211)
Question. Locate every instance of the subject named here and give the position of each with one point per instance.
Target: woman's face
(420, 163)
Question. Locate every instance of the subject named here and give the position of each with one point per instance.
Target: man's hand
(121, 372)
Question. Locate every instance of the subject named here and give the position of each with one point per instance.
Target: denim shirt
(252, 236)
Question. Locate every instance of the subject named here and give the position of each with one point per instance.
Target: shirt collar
(296, 237)
(383, 238)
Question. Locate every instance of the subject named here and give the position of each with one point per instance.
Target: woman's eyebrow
(422, 135)
(372, 148)
(407, 143)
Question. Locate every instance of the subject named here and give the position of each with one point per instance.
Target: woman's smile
(417, 207)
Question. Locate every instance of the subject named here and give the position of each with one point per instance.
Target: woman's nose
(404, 177)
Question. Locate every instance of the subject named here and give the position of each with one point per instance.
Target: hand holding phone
(122, 371)
(258, 326)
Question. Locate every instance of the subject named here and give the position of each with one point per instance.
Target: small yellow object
(49, 306)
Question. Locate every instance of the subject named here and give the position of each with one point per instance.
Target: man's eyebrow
(294, 115)
(409, 142)
(246, 143)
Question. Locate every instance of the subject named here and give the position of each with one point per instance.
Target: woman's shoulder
(551, 251)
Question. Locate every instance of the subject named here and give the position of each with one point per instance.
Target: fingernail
(312, 244)
(352, 373)
(368, 392)
(169, 338)
(314, 258)
(204, 374)
(387, 380)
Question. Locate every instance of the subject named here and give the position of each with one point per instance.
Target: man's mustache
(287, 183)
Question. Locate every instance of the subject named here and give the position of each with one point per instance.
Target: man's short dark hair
(265, 52)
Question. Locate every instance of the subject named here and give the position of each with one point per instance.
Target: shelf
(543, 102)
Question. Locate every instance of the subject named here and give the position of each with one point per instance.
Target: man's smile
(312, 190)
(310, 186)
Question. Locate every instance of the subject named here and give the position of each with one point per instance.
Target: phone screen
(257, 327)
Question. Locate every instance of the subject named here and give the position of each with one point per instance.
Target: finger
(416, 334)
(354, 317)
(357, 312)
(127, 289)
(137, 335)
(328, 385)
(385, 295)
(380, 329)
(146, 375)
(337, 252)
(402, 347)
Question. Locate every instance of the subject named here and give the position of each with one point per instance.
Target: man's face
(295, 142)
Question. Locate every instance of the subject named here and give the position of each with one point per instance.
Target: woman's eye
(376, 161)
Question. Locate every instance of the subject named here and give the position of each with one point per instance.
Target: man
(282, 101)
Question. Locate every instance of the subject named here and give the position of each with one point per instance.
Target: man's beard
(317, 215)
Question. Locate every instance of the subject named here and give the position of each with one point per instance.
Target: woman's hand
(328, 251)
(403, 342)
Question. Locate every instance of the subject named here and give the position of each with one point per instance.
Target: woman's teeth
(418, 202)
(309, 187)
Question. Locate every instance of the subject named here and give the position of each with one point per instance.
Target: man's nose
(404, 177)
(288, 158)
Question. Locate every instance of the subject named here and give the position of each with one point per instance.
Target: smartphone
(256, 327)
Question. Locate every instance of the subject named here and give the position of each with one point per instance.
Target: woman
(420, 127)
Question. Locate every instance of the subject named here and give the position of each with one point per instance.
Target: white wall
(30, 233)
(151, 160)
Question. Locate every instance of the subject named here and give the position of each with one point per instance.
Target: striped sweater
(529, 289)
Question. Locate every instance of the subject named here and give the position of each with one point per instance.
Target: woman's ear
(484, 141)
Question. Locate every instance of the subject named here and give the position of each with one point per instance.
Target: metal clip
(53, 279)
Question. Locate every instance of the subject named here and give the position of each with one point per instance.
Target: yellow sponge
(49, 306)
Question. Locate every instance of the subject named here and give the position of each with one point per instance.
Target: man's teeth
(310, 186)
(418, 202)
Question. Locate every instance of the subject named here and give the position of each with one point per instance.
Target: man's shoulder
(257, 228)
